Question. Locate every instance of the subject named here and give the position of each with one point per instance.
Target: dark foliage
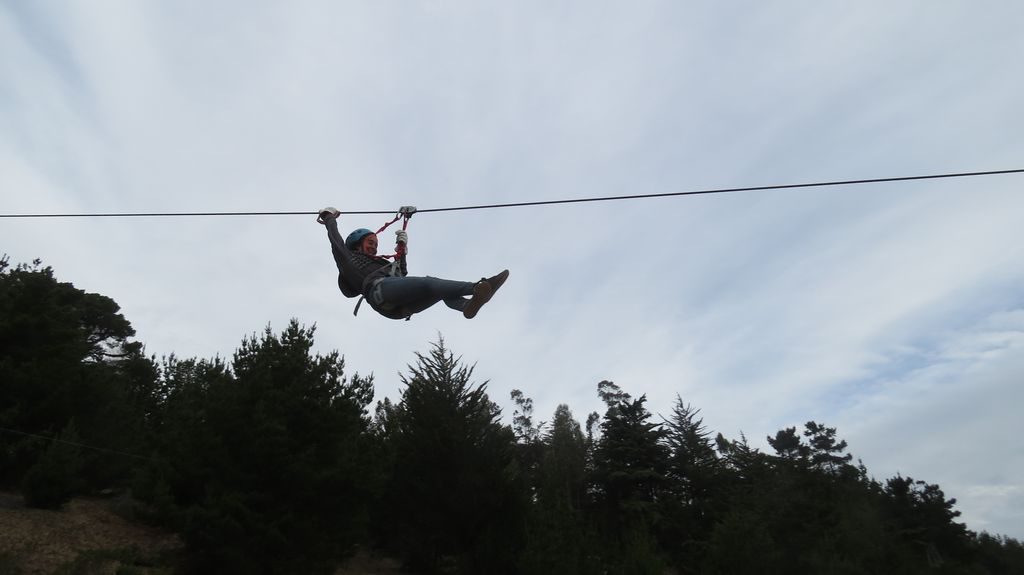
(271, 463)
(558, 539)
(455, 497)
(55, 477)
(264, 463)
(66, 357)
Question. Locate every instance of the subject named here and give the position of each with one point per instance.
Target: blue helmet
(353, 239)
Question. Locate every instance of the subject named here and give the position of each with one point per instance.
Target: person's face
(369, 246)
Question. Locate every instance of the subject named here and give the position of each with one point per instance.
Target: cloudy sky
(893, 312)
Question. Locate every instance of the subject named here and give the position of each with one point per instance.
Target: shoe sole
(482, 293)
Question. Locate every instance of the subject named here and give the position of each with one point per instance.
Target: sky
(893, 312)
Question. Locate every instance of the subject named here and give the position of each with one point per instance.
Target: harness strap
(385, 226)
(400, 249)
(404, 214)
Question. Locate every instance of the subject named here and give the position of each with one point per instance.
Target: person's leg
(415, 294)
(456, 303)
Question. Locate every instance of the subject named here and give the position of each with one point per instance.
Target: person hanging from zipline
(387, 286)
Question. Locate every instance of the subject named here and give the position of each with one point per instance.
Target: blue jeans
(413, 294)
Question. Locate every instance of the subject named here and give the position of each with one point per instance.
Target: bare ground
(38, 541)
(88, 536)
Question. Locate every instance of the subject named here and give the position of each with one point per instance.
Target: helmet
(353, 239)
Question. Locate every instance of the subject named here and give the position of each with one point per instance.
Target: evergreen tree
(805, 510)
(456, 494)
(630, 466)
(693, 486)
(631, 458)
(266, 463)
(924, 519)
(67, 355)
(999, 555)
(563, 475)
(826, 453)
(789, 446)
(557, 541)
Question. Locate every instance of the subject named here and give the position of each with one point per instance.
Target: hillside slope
(85, 536)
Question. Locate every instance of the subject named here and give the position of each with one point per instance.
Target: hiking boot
(482, 293)
(496, 281)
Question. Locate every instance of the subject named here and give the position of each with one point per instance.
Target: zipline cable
(544, 202)
(81, 445)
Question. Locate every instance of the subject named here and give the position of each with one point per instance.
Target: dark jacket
(356, 270)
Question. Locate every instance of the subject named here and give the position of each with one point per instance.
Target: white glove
(327, 212)
(401, 237)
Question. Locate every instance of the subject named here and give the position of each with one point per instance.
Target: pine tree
(630, 475)
(557, 541)
(826, 453)
(923, 518)
(693, 485)
(266, 462)
(65, 355)
(456, 492)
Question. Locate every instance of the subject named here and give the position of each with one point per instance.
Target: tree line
(275, 461)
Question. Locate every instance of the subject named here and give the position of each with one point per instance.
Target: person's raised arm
(332, 232)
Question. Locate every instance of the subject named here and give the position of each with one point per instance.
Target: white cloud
(953, 421)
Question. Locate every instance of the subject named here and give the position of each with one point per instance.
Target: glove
(401, 237)
(325, 213)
